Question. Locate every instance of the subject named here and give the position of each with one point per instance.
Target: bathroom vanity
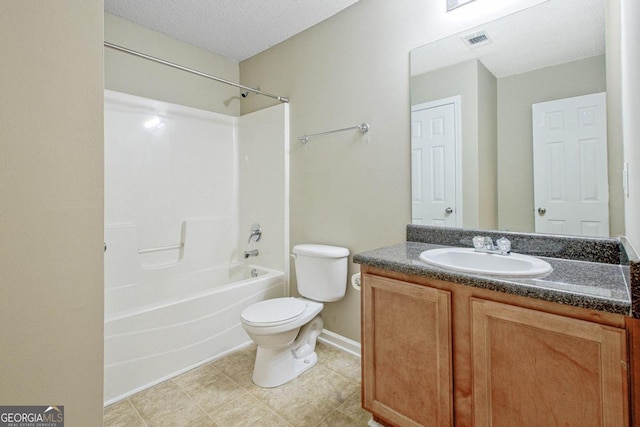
(444, 348)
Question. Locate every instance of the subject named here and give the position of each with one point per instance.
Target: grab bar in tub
(161, 248)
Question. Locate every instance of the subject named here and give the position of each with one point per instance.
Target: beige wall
(515, 147)
(347, 189)
(631, 107)
(487, 148)
(51, 199)
(615, 146)
(458, 79)
(137, 76)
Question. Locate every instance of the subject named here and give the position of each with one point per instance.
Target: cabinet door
(406, 353)
(538, 369)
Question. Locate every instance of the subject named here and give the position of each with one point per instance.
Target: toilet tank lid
(320, 251)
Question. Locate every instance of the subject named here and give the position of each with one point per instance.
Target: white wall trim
(340, 342)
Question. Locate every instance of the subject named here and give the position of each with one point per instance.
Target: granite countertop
(594, 285)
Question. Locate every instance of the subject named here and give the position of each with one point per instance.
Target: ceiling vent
(476, 40)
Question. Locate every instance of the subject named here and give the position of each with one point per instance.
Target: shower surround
(182, 187)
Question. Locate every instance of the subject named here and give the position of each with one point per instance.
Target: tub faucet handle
(255, 231)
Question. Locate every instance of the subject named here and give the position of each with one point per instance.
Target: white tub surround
(175, 283)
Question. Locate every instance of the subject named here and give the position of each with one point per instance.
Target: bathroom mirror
(480, 86)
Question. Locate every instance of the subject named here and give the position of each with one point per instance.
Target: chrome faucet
(253, 252)
(255, 231)
(485, 244)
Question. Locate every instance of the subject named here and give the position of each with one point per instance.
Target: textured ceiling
(550, 33)
(234, 29)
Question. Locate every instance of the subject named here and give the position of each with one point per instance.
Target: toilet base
(276, 367)
(279, 365)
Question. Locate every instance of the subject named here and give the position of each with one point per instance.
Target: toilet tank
(321, 271)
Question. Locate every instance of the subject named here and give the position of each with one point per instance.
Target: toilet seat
(273, 312)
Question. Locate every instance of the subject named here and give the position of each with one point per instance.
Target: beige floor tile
(271, 420)
(205, 373)
(238, 366)
(241, 412)
(304, 411)
(327, 395)
(208, 389)
(204, 422)
(277, 397)
(329, 386)
(339, 361)
(243, 378)
(337, 418)
(329, 351)
(353, 409)
(166, 405)
(239, 362)
(251, 351)
(122, 414)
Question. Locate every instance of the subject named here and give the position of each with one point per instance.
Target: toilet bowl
(286, 329)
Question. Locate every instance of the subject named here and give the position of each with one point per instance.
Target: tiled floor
(221, 394)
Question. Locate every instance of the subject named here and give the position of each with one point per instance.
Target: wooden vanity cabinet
(532, 368)
(407, 353)
(441, 354)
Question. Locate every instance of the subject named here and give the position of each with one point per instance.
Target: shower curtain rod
(191, 70)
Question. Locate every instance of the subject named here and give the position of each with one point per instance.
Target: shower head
(247, 92)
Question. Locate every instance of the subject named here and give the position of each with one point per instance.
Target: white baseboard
(338, 341)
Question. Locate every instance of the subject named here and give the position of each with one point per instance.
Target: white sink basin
(469, 261)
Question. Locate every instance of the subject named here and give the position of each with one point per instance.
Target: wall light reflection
(452, 4)
(154, 123)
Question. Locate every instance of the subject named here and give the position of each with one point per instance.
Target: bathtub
(173, 332)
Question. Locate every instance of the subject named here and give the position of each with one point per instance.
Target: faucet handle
(478, 242)
(504, 245)
(488, 243)
(255, 230)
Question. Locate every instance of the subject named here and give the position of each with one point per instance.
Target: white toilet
(286, 329)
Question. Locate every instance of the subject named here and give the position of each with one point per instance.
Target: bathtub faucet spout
(253, 252)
